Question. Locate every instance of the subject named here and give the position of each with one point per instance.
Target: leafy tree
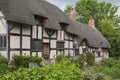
(68, 8)
(106, 20)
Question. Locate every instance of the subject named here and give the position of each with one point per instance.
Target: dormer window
(39, 20)
(61, 32)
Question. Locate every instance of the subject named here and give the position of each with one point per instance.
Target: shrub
(3, 65)
(59, 71)
(108, 62)
(91, 74)
(61, 58)
(3, 59)
(78, 61)
(23, 61)
(90, 58)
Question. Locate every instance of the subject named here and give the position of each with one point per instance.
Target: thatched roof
(93, 37)
(23, 11)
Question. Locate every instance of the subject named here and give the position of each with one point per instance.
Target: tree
(106, 20)
(68, 8)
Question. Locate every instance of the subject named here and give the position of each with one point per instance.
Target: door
(46, 48)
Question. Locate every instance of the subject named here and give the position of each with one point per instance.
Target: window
(36, 45)
(98, 54)
(2, 41)
(60, 45)
(39, 20)
(76, 52)
(84, 50)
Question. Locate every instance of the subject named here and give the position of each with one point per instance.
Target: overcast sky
(62, 3)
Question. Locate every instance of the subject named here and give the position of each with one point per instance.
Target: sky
(62, 3)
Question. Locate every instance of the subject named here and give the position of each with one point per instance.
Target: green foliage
(109, 62)
(79, 61)
(91, 74)
(112, 69)
(106, 20)
(59, 71)
(3, 59)
(61, 58)
(90, 58)
(68, 8)
(3, 65)
(23, 61)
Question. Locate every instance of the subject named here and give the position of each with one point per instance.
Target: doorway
(46, 49)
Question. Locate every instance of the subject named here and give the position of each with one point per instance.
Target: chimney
(72, 14)
(92, 23)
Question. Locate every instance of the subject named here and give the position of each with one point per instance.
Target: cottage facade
(39, 28)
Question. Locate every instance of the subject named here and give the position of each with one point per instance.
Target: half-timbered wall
(3, 35)
(37, 33)
(19, 39)
(68, 43)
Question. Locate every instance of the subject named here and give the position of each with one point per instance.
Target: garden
(64, 68)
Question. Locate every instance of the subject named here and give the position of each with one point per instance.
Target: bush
(90, 58)
(23, 61)
(3, 65)
(59, 71)
(61, 58)
(108, 62)
(91, 74)
(3, 59)
(79, 61)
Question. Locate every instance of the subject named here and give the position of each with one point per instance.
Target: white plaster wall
(96, 55)
(39, 54)
(53, 44)
(12, 53)
(60, 52)
(66, 44)
(46, 40)
(80, 50)
(98, 59)
(71, 52)
(71, 38)
(39, 32)
(58, 36)
(16, 29)
(26, 42)
(62, 35)
(26, 29)
(4, 53)
(52, 54)
(45, 33)
(66, 36)
(71, 44)
(34, 29)
(106, 55)
(66, 52)
(14, 42)
(33, 53)
(54, 35)
(3, 24)
(26, 53)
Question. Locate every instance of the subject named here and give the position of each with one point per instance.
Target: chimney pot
(91, 23)
(72, 14)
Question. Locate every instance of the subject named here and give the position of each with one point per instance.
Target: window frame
(40, 46)
(60, 46)
(3, 42)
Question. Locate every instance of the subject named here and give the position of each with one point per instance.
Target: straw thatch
(23, 11)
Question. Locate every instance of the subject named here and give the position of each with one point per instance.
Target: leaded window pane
(36, 45)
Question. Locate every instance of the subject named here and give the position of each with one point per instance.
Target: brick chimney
(72, 14)
(92, 23)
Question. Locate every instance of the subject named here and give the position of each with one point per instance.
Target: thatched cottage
(38, 28)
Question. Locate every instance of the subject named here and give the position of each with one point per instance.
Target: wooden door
(46, 47)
